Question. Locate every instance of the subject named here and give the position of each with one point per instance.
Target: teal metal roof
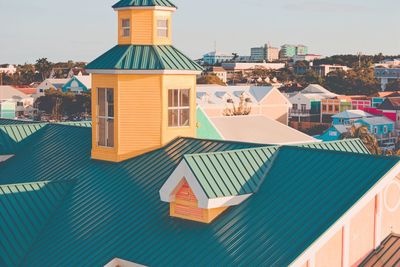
(114, 209)
(232, 173)
(133, 3)
(144, 57)
(11, 136)
(78, 123)
(11, 122)
(346, 145)
(25, 210)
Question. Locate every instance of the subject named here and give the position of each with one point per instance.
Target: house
(48, 84)
(23, 103)
(325, 69)
(8, 69)
(251, 129)
(387, 71)
(349, 117)
(261, 100)
(7, 109)
(383, 129)
(306, 104)
(220, 73)
(334, 133)
(78, 84)
(391, 106)
(115, 194)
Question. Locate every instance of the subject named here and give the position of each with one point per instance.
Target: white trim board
(144, 72)
(183, 171)
(347, 216)
(159, 8)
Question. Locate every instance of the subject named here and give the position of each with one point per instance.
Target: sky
(81, 30)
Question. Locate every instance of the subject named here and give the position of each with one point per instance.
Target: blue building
(213, 58)
(348, 117)
(334, 133)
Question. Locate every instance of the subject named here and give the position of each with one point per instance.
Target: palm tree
(365, 136)
(244, 107)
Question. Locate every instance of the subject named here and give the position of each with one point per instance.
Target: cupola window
(105, 120)
(126, 27)
(162, 28)
(179, 108)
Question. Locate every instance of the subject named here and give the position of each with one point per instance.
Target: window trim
(106, 118)
(178, 108)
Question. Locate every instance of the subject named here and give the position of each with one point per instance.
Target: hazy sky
(81, 30)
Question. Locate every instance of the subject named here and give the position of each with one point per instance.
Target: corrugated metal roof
(24, 210)
(346, 145)
(12, 135)
(233, 173)
(78, 123)
(386, 255)
(114, 209)
(10, 122)
(143, 57)
(133, 3)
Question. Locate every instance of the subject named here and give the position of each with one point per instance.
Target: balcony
(299, 112)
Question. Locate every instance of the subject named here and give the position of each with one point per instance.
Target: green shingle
(143, 57)
(133, 3)
(24, 210)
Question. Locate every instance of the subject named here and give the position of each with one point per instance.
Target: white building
(239, 66)
(386, 71)
(323, 70)
(308, 57)
(8, 69)
(23, 102)
(264, 53)
(50, 83)
(220, 73)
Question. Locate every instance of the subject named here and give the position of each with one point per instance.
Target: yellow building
(144, 89)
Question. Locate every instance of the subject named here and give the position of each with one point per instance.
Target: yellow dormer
(145, 26)
(143, 89)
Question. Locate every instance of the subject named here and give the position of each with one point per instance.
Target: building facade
(288, 51)
(264, 53)
(215, 57)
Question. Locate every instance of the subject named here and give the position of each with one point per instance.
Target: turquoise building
(78, 84)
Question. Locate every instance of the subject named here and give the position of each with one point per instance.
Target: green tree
(365, 136)
(43, 66)
(393, 85)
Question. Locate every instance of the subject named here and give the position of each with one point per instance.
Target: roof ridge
(159, 58)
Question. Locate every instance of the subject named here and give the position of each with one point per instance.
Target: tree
(244, 107)
(365, 136)
(210, 79)
(43, 66)
(393, 85)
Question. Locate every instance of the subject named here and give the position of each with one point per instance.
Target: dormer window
(162, 28)
(126, 27)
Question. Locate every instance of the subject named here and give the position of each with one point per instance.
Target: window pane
(162, 33)
(110, 101)
(173, 118)
(102, 132)
(126, 23)
(101, 101)
(173, 98)
(162, 23)
(185, 99)
(126, 32)
(185, 117)
(110, 128)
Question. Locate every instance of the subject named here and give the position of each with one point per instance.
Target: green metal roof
(25, 210)
(78, 123)
(11, 136)
(346, 145)
(232, 173)
(114, 209)
(133, 3)
(144, 57)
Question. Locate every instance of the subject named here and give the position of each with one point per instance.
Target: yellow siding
(139, 105)
(103, 81)
(178, 82)
(144, 27)
(162, 15)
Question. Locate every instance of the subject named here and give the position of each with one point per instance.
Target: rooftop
(107, 210)
(143, 3)
(352, 114)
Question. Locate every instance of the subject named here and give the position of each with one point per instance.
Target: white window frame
(179, 108)
(163, 28)
(124, 28)
(106, 118)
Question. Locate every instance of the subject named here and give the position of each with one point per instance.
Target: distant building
(50, 83)
(14, 103)
(264, 53)
(245, 66)
(78, 84)
(386, 71)
(216, 57)
(8, 69)
(323, 70)
(220, 73)
(289, 51)
(308, 57)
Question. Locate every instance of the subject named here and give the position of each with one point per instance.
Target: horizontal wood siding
(142, 27)
(139, 113)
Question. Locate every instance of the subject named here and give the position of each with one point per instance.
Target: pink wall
(330, 255)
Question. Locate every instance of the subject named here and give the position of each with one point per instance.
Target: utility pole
(1, 78)
(359, 59)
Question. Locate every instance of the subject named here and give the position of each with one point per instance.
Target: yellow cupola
(144, 89)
